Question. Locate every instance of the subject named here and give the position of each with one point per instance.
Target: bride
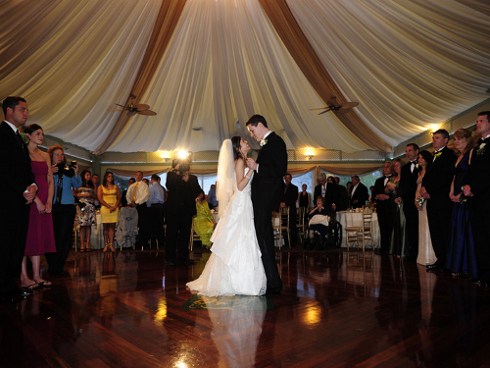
(235, 266)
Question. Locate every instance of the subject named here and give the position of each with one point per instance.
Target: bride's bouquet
(420, 200)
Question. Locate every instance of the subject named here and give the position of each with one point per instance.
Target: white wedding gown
(235, 267)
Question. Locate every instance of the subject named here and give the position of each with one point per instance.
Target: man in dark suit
(289, 199)
(180, 207)
(270, 167)
(383, 208)
(17, 193)
(406, 191)
(477, 187)
(435, 188)
(359, 194)
(328, 190)
(343, 196)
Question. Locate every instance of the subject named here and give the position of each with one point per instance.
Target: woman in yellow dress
(204, 222)
(109, 197)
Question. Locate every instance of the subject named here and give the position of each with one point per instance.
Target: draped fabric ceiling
(203, 64)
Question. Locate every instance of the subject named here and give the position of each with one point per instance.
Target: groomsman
(383, 208)
(407, 189)
(477, 186)
(435, 188)
(16, 192)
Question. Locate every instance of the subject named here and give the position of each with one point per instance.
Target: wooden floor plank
(337, 309)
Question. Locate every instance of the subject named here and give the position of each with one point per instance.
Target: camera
(68, 171)
(83, 206)
(185, 164)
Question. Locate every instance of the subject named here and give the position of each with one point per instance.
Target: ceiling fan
(141, 109)
(335, 106)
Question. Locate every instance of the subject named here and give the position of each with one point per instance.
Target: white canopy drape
(410, 64)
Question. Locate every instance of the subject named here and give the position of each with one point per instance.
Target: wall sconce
(310, 153)
(165, 155)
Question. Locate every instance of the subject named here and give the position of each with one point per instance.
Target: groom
(267, 186)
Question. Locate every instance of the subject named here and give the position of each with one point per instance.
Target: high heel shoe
(105, 248)
(111, 247)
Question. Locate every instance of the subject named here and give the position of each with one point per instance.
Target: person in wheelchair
(319, 218)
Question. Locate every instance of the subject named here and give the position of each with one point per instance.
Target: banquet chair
(280, 224)
(194, 237)
(360, 234)
(127, 227)
(300, 223)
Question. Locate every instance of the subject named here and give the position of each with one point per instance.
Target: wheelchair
(331, 240)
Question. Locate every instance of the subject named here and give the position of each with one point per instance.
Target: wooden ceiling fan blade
(147, 113)
(120, 105)
(323, 112)
(349, 105)
(342, 111)
(141, 107)
(320, 108)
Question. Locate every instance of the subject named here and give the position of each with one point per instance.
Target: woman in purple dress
(40, 235)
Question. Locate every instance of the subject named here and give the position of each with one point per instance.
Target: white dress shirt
(142, 193)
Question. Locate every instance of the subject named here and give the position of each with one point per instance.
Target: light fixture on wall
(310, 153)
(165, 155)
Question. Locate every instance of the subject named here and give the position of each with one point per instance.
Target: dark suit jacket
(331, 195)
(268, 181)
(437, 181)
(290, 196)
(478, 178)
(16, 164)
(408, 187)
(379, 188)
(343, 198)
(361, 194)
(181, 192)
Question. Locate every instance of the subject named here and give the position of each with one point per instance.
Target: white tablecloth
(355, 219)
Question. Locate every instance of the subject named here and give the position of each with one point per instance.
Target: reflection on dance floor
(337, 308)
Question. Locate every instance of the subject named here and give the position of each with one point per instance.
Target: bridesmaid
(109, 196)
(40, 235)
(461, 259)
(426, 255)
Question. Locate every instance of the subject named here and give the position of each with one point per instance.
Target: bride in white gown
(235, 266)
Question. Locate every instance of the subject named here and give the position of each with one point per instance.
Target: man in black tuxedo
(343, 203)
(180, 207)
(359, 194)
(436, 186)
(328, 190)
(289, 198)
(406, 191)
(383, 208)
(270, 167)
(17, 191)
(477, 187)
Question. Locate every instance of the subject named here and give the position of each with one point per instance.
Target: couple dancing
(243, 257)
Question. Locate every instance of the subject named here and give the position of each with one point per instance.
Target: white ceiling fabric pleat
(410, 64)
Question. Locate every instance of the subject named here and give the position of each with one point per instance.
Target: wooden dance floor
(337, 309)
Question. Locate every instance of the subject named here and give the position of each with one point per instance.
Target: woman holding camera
(40, 236)
(86, 214)
(65, 179)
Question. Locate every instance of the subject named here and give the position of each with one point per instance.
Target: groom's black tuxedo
(267, 189)
(15, 165)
